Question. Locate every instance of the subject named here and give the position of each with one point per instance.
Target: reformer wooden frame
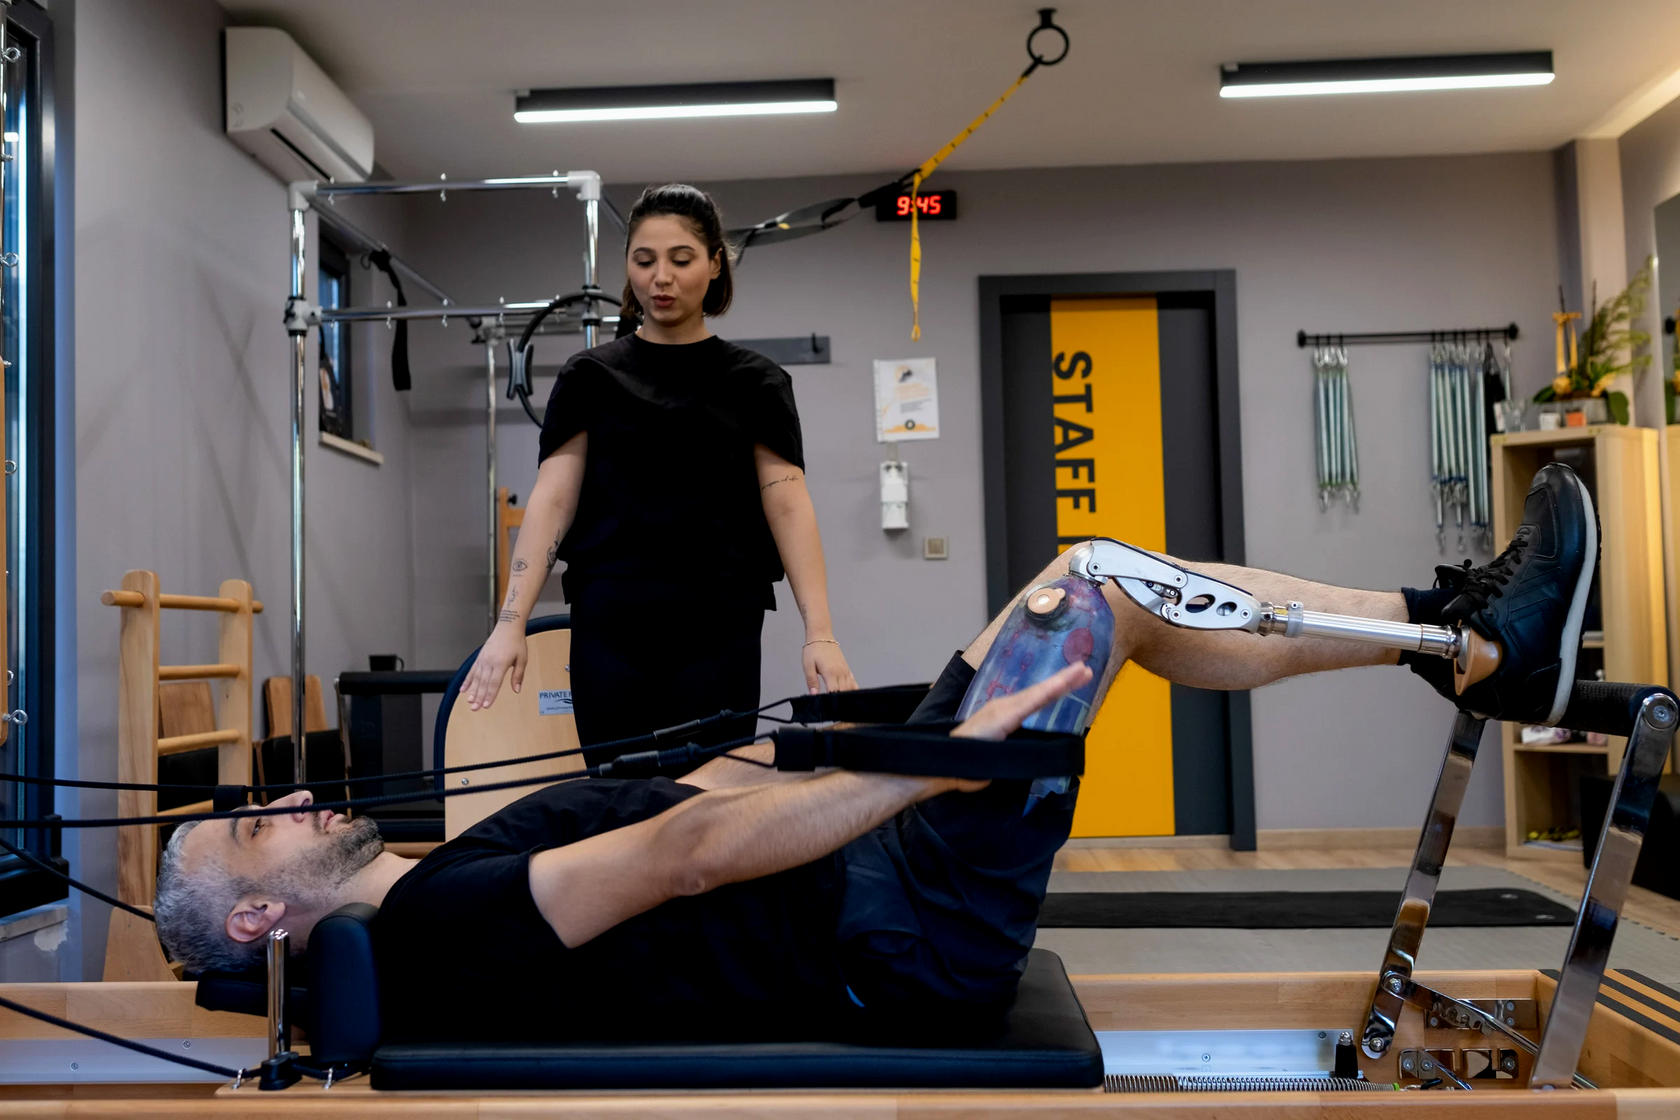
(1633, 1047)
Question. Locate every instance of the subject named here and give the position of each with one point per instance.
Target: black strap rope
(92, 892)
(625, 766)
(400, 378)
(863, 705)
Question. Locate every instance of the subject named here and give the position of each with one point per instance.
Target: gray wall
(1325, 246)
(182, 390)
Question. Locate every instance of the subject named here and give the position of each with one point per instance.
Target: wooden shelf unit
(1620, 467)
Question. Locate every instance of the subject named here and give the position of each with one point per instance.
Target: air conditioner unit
(285, 111)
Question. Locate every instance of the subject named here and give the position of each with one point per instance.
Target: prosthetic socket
(1067, 621)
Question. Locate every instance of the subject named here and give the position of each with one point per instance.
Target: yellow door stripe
(1106, 373)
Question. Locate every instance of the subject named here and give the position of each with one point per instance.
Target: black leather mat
(1496, 906)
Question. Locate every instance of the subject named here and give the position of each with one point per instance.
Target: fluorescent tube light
(707, 99)
(1386, 75)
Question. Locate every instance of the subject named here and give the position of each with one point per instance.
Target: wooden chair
(277, 705)
(508, 518)
(132, 951)
(514, 725)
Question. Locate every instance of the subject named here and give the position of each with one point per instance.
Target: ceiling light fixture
(1385, 75)
(706, 99)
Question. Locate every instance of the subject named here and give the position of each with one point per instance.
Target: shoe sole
(1571, 643)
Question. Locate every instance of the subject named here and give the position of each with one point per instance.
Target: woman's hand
(826, 665)
(504, 650)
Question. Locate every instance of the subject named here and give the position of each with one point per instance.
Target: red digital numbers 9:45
(929, 206)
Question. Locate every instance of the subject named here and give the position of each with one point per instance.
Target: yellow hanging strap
(922, 173)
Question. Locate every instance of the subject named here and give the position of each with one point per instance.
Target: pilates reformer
(1470, 1031)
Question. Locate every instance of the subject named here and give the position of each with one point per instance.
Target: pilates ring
(522, 354)
(1046, 22)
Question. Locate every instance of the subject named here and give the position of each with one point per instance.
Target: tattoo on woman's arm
(513, 593)
(520, 565)
(509, 616)
(774, 481)
(553, 553)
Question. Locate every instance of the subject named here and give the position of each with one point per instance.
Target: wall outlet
(935, 548)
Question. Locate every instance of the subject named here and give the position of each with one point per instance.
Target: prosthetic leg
(1068, 620)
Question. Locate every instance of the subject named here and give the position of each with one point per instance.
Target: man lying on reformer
(744, 902)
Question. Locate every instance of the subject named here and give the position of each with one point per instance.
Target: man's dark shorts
(941, 903)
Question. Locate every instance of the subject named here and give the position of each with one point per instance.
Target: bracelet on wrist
(816, 641)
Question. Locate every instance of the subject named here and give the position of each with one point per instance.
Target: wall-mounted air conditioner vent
(285, 111)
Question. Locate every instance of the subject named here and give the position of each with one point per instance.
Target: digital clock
(931, 206)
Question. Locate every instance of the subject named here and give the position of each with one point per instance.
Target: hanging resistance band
(400, 379)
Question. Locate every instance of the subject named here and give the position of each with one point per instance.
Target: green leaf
(1618, 403)
(1544, 395)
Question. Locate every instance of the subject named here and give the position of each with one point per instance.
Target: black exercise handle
(1607, 707)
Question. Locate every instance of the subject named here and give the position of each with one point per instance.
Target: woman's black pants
(648, 655)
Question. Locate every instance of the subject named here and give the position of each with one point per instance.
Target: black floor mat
(1497, 906)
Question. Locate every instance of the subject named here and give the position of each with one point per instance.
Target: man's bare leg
(1225, 659)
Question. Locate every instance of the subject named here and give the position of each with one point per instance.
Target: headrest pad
(344, 1025)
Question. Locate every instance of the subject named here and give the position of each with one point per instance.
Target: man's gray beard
(314, 880)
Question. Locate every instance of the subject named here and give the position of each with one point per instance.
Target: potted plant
(1609, 347)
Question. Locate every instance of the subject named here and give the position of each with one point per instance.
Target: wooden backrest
(513, 726)
(277, 704)
(508, 518)
(185, 708)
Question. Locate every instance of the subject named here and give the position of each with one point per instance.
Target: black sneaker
(1530, 599)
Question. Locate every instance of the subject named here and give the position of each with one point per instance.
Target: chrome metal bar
(1607, 887)
(449, 311)
(394, 186)
(279, 1028)
(493, 530)
(300, 381)
(1421, 883)
(1294, 621)
(591, 247)
(368, 241)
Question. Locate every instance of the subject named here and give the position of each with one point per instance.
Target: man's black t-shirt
(671, 435)
(464, 954)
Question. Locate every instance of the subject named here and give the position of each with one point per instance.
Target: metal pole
(494, 522)
(592, 240)
(513, 183)
(279, 1029)
(300, 336)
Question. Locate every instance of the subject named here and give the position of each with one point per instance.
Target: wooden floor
(1648, 908)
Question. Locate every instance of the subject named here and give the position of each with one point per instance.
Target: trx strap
(928, 750)
(381, 259)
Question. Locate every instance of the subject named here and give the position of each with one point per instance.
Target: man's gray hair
(192, 912)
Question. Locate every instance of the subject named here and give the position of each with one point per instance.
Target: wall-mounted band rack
(1474, 334)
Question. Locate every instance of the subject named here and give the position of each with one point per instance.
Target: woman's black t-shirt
(670, 468)
(464, 953)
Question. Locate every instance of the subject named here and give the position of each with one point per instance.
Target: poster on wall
(906, 400)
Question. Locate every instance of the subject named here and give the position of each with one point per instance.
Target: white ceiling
(1139, 86)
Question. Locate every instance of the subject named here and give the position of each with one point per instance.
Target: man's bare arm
(732, 835)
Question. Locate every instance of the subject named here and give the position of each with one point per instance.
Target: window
(333, 290)
(26, 329)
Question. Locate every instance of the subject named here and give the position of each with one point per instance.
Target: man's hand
(1004, 714)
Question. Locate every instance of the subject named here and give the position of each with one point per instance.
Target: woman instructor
(672, 483)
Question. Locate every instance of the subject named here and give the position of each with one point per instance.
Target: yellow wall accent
(1107, 403)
